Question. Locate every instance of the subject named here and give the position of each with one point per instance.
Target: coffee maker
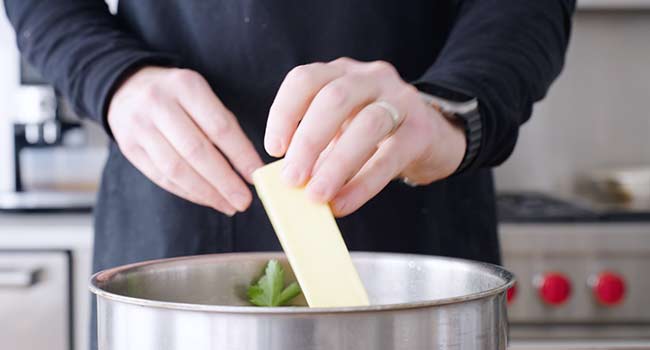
(51, 159)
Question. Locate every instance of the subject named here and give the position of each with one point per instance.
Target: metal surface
(580, 345)
(36, 316)
(579, 251)
(417, 302)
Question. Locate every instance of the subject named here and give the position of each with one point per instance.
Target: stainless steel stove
(583, 275)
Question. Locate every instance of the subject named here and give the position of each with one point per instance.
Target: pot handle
(18, 277)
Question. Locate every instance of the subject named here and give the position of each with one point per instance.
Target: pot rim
(105, 275)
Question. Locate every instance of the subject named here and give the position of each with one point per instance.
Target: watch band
(473, 133)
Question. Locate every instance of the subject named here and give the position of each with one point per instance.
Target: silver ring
(408, 182)
(393, 113)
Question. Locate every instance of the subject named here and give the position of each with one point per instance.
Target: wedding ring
(392, 112)
(408, 182)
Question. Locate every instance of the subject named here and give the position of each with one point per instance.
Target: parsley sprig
(270, 290)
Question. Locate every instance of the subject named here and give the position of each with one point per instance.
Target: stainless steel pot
(418, 302)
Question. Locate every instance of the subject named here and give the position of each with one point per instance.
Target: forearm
(78, 46)
(506, 54)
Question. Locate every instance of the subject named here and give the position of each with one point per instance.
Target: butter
(311, 240)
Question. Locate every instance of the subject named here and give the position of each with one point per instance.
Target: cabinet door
(34, 300)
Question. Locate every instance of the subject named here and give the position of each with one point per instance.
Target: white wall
(596, 115)
(9, 78)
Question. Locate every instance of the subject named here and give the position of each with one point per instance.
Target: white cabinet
(45, 264)
(35, 305)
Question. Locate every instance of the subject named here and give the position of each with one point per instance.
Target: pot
(417, 302)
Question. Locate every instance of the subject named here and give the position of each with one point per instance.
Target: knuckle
(344, 60)
(409, 92)
(192, 150)
(376, 121)
(185, 77)
(384, 164)
(307, 145)
(335, 94)
(219, 129)
(339, 171)
(382, 67)
(141, 122)
(152, 93)
(173, 169)
(301, 75)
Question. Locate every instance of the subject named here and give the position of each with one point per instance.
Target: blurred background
(574, 198)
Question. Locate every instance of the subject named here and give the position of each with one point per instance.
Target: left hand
(344, 146)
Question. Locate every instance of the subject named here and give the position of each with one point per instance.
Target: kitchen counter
(12, 221)
(613, 4)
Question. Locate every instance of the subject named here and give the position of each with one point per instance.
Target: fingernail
(318, 191)
(239, 201)
(274, 146)
(292, 175)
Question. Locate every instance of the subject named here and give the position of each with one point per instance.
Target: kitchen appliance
(582, 273)
(417, 302)
(49, 161)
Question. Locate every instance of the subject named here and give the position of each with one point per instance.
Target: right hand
(167, 123)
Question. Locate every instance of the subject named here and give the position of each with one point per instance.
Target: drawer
(35, 300)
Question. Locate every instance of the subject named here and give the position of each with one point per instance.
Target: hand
(343, 145)
(167, 123)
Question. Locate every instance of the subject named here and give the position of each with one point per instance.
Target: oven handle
(18, 277)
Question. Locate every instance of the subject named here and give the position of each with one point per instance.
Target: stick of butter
(311, 240)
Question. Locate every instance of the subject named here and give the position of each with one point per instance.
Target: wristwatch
(465, 109)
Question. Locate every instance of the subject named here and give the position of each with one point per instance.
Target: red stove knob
(554, 288)
(608, 288)
(511, 293)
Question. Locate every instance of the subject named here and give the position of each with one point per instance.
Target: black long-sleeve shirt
(504, 52)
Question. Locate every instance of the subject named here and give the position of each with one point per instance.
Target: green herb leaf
(269, 290)
(289, 293)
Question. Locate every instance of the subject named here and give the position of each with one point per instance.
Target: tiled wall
(597, 114)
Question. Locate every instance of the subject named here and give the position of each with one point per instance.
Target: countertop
(613, 4)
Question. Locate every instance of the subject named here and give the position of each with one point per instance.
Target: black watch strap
(473, 132)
